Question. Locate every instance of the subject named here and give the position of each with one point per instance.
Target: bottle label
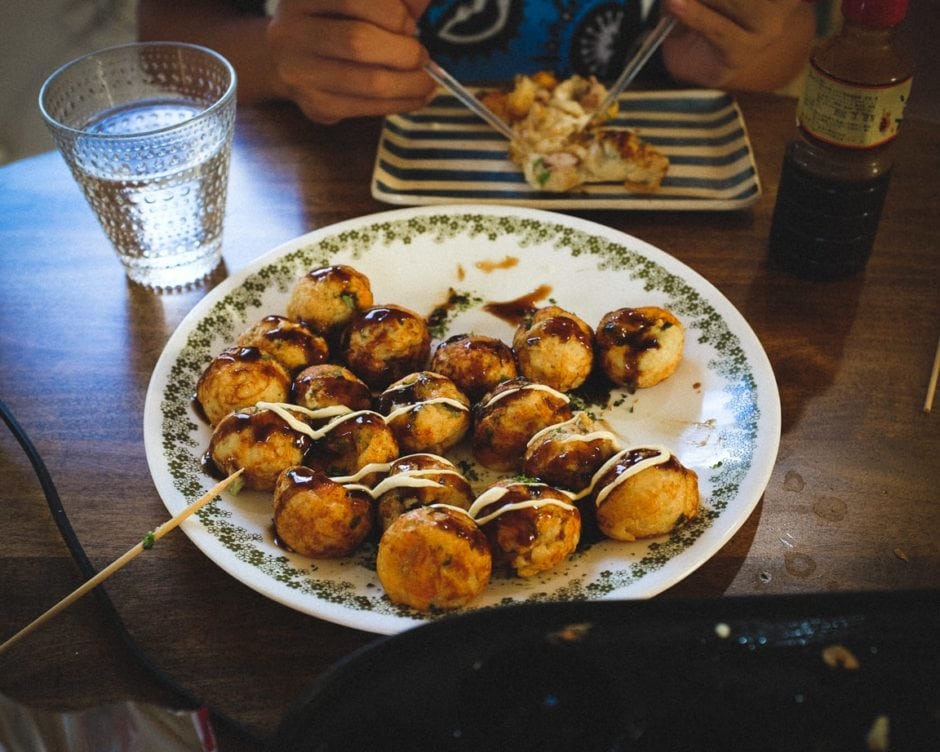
(851, 115)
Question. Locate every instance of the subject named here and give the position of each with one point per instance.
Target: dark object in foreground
(806, 672)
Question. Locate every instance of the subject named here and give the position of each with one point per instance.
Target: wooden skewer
(114, 566)
(932, 386)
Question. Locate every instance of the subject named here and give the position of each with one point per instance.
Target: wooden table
(853, 502)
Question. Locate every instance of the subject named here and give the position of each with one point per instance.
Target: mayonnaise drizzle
(495, 493)
(456, 404)
(406, 479)
(521, 387)
(662, 455)
(339, 414)
(580, 437)
(411, 479)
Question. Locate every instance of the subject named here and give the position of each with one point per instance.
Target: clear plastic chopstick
(467, 98)
(644, 52)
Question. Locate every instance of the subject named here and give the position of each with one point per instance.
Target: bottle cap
(875, 13)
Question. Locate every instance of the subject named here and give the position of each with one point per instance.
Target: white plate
(444, 153)
(720, 412)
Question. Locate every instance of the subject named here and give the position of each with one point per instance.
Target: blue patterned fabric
(482, 41)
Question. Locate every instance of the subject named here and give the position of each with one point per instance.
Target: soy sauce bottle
(836, 172)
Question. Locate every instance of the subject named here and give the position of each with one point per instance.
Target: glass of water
(146, 130)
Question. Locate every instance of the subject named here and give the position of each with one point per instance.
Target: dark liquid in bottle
(823, 228)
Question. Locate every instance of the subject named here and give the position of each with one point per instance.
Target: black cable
(88, 571)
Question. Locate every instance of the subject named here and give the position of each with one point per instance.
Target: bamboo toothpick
(932, 386)
(114, 566)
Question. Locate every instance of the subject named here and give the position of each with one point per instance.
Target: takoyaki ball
(639, 347)
(419, 480)
(475, 363)
(531, 526)
(290, 343)
(433, 558)
(556, 348)
(350, 442)
(326, 299)
(259, 440)
(427, 412)
(568, 454)
(384, 343)
(327, 385)
(240, 377)
(317, 517)
(644, 492)
(510, 415)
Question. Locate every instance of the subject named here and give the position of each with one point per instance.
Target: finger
(349, 80)
(343, 39)
(311, 39)
(394, 16)
(329, 108)
(720, 29)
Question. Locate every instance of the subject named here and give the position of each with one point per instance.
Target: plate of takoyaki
(443, 409)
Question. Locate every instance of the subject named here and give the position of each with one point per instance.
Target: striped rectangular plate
(445, 154)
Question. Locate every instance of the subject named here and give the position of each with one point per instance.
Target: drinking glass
(146, 129)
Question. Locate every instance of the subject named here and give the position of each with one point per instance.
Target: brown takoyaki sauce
(579, 458)
(282, 329)
(231, 355)
(562, 328)
(628, 459)
(379, 315)
(514, 494)
(438, 317)
(490, 266)
(261, 425)
(342, 436)
(516, 311)
(336, 390)
(632, 330)
(343, 274)
(301, 479)
(404, 394)
(468, 531)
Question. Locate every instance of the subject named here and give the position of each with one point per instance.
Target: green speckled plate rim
(174, 453)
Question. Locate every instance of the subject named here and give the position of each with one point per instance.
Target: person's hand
(346, 58)
(749, 44)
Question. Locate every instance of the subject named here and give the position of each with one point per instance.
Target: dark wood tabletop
(853, 502)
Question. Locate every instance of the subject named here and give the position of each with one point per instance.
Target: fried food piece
(476, 363)
(352, 441)
(560, 144)
(316, 517)
(643, 492)
(434, 558)
(556, 348)
(240, 377)
(327, 384)
(567, 454)
(531, 526)
(420, 480)
(384, 343)
(426, 411)
(510, 415)
(326, 299)
(639, 347)
(595, 156)
(259, 440)
(291, 344)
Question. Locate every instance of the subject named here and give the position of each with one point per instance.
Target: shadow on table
(805, 357)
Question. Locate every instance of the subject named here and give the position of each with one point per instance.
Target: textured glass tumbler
(146, 130)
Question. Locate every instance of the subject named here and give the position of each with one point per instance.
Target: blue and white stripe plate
(443, 153)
